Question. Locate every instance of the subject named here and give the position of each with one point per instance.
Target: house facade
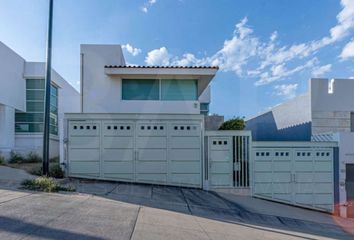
(138, 123)
(22, 105)
(324, 114)
(327, 108)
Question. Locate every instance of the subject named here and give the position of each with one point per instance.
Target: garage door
(300, 176)
(161, 152)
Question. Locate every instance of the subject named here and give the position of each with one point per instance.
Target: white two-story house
(138, 123)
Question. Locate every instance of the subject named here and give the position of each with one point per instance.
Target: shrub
(55, 171)
(15, 157)
(33, 157)
(36, 170)
(54, 159)
(236, 123)
(45, 184)
(2, 160)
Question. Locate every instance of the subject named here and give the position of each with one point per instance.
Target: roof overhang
(204, 75)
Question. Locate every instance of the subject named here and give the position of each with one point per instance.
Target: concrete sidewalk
(110, 210)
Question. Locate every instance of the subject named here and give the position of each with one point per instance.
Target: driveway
(105, 210)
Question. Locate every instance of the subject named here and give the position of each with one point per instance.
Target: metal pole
(48, 80)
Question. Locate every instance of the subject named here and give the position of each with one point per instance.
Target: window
(172, 89)
(352, 122)
(140, 89)
(204, 108)
(32, 119)
(155, 89)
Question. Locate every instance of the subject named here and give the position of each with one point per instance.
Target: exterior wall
(12, 84)
(213, 122)
(26, 143)
(289, 121)
(7, 128)
(346, 156)
(14, 72)
(331, 112)
(102, 92)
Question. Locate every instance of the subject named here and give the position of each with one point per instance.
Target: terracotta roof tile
(179, 67)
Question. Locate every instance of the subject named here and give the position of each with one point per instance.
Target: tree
(235, 123)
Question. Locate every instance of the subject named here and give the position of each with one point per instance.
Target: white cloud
(266, 61)
(148, 5)
(158, 57)
(348, 51)
(321, 70)
(287, 91)
(132, 50)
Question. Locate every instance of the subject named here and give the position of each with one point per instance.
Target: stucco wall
(289, 121)
(11, 79)
(331, 111)
(102, 92)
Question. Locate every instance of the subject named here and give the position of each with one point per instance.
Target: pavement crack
(185, 199)
(29, 194)
(134, 226)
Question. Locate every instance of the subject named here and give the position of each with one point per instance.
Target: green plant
(15, 157)
(55, 171)
(36, 170)
(236, 123)
(2, 160)
(45, 184)
(33, 157)
(54, 159)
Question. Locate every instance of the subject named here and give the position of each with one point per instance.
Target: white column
(7, 129)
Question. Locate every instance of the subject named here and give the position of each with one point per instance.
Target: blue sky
(266, 50)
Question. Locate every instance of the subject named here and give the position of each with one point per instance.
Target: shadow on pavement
(206, 204)
(35, 231)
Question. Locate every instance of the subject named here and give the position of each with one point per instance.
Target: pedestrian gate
(227, 157)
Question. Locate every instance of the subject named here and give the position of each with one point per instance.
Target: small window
(276, 154)
(115, 127)
(161, 127)
(75, 127)
(176, 128)
(220, 142)
(286, 154)
(257, 153)
(81, 127)
(225, 142)
(109, 127)
(298, 154)
(327, 154)
(214, 142)
(88, 127)
(267, 153)
(148, 127)
(94, 127)
(155, 127)
(121, 127)
(142, 127)
(262, 153)
(182, 127)
(128, 127)
(308, 154)
(188, 128)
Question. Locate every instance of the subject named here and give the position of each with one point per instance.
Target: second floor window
(160, 89)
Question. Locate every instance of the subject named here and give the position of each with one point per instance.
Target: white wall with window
(22, 105)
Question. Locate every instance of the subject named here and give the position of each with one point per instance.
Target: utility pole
(48, 80)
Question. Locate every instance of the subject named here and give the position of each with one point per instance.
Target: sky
(266, 50)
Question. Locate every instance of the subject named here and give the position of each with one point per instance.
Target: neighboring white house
(22, 106)
(325, 113)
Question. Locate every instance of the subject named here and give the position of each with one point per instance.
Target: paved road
(132, 211)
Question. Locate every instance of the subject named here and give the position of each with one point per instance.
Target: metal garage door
(84, 148)
(300, 176)
(161, 152)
